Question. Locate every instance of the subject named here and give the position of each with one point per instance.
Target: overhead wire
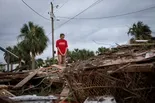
(92, 33)
(57, 11)
(102, 43)
(62, 6)
(98, 1)
(34, 10)
(113, 16)
(121, 15)
(49, 33)
(70, 18)
(46, 9)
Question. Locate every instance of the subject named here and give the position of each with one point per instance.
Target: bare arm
(66, 48)
(57, 46)
(59, 50)
(65, 51)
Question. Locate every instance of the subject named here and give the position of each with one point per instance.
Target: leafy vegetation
(2, 67)
(33, 42)
(102, 50)
(139, 31)
(33, 39)
(50, 61)
(78, 54)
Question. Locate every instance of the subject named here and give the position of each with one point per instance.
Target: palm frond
(31, 26)
(140, 31)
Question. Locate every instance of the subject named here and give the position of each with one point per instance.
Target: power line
(98, 1)
(34, 10)
(111, 46)
(93, 32)
(46, 9)
(102, 43)
(62, 5)
(113, 16)
(48, 33)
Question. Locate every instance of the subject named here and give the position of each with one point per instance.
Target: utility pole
(52, 23)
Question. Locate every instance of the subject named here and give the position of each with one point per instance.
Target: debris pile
(125, 72)
(43, 81)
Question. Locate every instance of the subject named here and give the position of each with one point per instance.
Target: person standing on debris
(62, 47)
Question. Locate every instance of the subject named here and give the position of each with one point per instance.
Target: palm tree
(140, 31)
(33, 39)
(23, 52)
(13, 59)
(10, 59)
(102, 50)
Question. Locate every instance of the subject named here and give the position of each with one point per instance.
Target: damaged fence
(126, 73)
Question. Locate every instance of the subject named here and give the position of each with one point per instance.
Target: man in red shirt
(62, 46)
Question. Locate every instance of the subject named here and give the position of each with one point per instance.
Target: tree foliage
(78, 54)
(39, 63)
(140, 31)
(34, 41)
(102, 50)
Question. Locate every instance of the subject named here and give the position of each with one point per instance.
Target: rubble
(31, 82)
(126, 72)
(6, 93)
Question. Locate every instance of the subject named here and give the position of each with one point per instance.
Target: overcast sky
(80, 33)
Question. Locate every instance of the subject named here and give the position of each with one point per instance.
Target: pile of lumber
(30, 82)
(126, 72)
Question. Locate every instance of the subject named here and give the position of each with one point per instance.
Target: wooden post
(52, 23)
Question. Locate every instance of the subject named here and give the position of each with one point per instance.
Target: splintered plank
(147, 67)
(140, 68)
(65, 92)
(12, 73)
(57, 66)
(25, 80)
(6, 93)
(3, 87)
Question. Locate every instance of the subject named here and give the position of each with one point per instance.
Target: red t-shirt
(62, 45)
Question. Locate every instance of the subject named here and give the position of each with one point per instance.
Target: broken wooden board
(3, 87)
(65, 92)
(25, 80)
(14, 76)
(147, 67)
(139, 68)
(44, 69)
(121, 62)
(6, 93)
(11, 73)
(138, 45)
(58, 66)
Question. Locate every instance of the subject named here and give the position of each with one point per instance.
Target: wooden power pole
(52, 23)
